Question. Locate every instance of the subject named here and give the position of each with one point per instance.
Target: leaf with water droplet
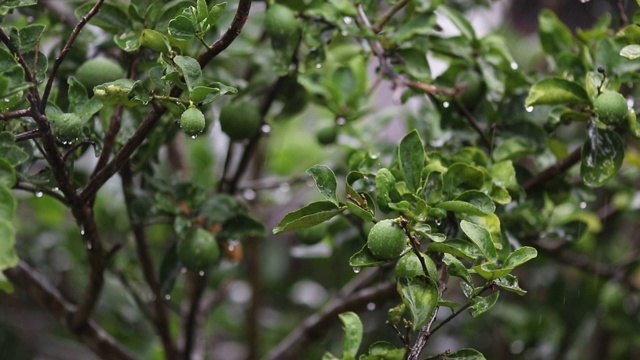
(420, 295)
(602, 156)
(556, 91)
(364, 258)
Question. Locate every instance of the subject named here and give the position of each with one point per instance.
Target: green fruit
(240, 120)
(280, 23)
(192, 121)
(98, 71)
(611, 108)
(199, 250)
(386, 240)
(471, 96)
(154, 40)
(327, 135)
(312, 235)
(68, 127)
(409, 266)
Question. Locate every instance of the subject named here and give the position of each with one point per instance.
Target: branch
(315, 326)
(51, 299)
(191, 323)
(72, 38)
(10, 115)
(386, 17)
(556, 169)
(475, 125)
(160, 319)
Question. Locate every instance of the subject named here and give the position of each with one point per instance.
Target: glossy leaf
(464, 354)
(312, 214)
(412, 156)
(556, 91)
(7, 173)
(353, 331)
(490, 271)
(520, 256)
(460, 177)
(555, 37)
(510, 283)
(364, 258)
(382, 350)
(602, 156)
(110, 17)
(630, 52)
(481, 237)
(483, 304)
(420, 295)
(190, 69)
(8, 203)
(456, 268)
(241, 226)
(215, 13)
(182, 28)
(325, 181)
(459, 21)
(471, 202)
(211, 92)
(456, 247)
(8, 255)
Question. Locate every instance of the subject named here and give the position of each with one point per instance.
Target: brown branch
(471, 120)
(32, 189)
(191, 322)
(10, 115)
(315, 326)
(555, 169)
(387, 16)
(160, 319)
(101, 343)
(67, 47)
(28, 135)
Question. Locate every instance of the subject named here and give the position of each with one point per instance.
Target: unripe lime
(199, 250)
(68, 127)
(327, 135)
(98, 71)
(611, 108)
(192, 121)
(312, 235)
(240, 120)
(280, 23)
(386, 240)
(471, 96)
(409, 266)
(154, 40)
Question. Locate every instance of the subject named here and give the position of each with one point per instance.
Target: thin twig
(384, 19)
(556, 169)
(475, 125)
(10, 115)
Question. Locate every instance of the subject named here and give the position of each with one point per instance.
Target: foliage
(202, 116)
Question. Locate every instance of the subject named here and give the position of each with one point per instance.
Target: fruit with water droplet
(192, 121)
(386, 240)
(98, 71)
(240, 120)
(68, 127)
(611, 108)
(198, 250)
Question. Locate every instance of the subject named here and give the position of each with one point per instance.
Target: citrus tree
(318, 179)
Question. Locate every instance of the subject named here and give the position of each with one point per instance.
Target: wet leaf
(519, 257)
(420, 295)
(510, 283)
(471, 202)
(483, 304)
(353, 331)
(325, 181)
(308, 216)
(556, 91)
(411, 154)
(364, 258)
(481, 237)
(602, 155)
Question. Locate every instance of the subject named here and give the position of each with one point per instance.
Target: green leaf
(420, 295)
(412, 156)
(459, 21)
(602, 155)
(13, 154)
(7, 173)
(325, 181)
(353, 331)
(386, 189)
(364, 258)
(211, 92)
(8, 255)
(382, 350)
(5, 284)
(423, 24)
(503, 174)
(465, 354)
(456, 268)
(556, 91)
(110, 17)
(30, 36)
(241, 226)
(460, 177)
(630, 52)
(169, 269)
(519, 257)
(365, 215)
(182, 28)
(510, 283)
(312, 214)
(555, 37)
(345, 7)
(215, 13)
(128, 41)
(456, 247)
(483, 304)
(471, 202)
(201, 10)
(481, 237)
(190, 69)
(490, 271)
(8, 203)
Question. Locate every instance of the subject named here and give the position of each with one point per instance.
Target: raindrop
(343, 33)
(55, 189)
(200, 273)
(249, 194)
(265, 128)
(284, 187)
(356, 269)
(371, 306)
(89, 246)
(81, 231)
(584, 1)
(516, 347)
(446, 104)
(630, 102)
(583, 205)
(39, 194)
(167, 297)
(318, 66)
(340, 121)
(232, 245)
(438, 222)
(194, 137)
(347, 20)
(183, 270)
(529, 108)
(514, 65)
(7, 99)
